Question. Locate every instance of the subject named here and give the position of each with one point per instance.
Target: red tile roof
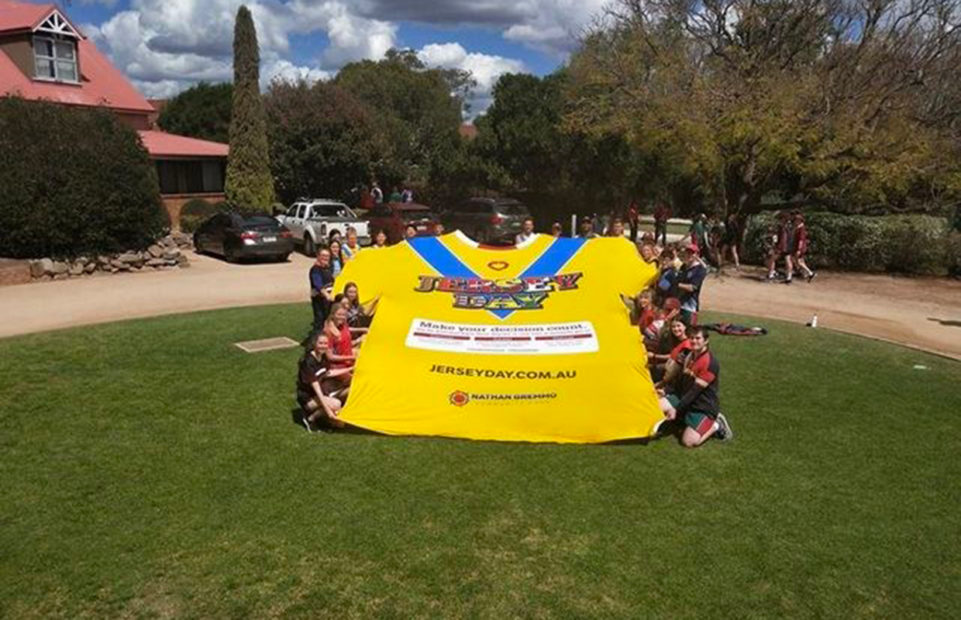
(468, 131)
(101, 83)
(160, 144)
(16, 16)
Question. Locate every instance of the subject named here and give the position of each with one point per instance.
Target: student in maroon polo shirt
(693, 396)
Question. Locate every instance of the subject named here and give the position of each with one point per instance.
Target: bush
(953, 252)
(74, 181)
(196, 211)
(915, 244)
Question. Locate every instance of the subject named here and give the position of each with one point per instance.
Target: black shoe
(787, 281)
(812, 275)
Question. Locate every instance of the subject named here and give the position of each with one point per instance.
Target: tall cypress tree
(249, 185)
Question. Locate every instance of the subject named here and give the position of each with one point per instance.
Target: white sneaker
(723, 432)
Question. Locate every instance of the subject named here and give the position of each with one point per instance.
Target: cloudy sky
(165, 46)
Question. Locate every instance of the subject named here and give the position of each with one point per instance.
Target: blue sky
(165, 46)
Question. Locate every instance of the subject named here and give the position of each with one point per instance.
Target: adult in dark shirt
(693, 396)
(689, 284)
(321, 278)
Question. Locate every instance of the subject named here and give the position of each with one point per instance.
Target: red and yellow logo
(458, 398)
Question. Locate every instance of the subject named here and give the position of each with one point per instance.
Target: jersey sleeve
(637, 274)
(370, 271)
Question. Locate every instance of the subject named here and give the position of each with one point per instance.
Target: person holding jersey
(692, 398)
(318, 387)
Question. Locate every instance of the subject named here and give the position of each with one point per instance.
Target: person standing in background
(633, 215)
(321, 278)
(662, 213)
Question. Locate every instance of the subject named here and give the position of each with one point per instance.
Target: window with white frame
(55, 59)
(55, 50)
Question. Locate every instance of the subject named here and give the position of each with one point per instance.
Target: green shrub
(915, 244)
(196, 211)
(953, 253)
(74, 181)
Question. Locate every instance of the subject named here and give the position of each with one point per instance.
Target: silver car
(310, 222)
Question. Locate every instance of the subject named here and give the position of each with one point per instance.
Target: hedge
(914, 244)
(196, 211)
(74, 181)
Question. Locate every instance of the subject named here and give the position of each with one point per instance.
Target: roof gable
(56, 23)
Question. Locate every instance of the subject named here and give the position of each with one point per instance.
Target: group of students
(683, 368)
(327, 368)
(788, 239)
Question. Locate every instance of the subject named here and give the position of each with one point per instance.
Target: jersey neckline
(460, 237)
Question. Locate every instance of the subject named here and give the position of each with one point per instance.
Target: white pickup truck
(310, 222)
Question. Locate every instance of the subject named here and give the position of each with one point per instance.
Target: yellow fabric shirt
(530, 343)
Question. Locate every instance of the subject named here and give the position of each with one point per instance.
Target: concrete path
(923, 313)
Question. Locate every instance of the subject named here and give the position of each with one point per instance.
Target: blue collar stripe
(440, 258)
(554, 257)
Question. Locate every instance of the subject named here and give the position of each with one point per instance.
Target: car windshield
(335, 210)
(417, 214)
(261, 221)
(512, 209)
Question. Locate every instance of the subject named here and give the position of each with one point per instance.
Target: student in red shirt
(669, 346)
(342, 353)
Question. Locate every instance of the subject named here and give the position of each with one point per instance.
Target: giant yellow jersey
(530, 343)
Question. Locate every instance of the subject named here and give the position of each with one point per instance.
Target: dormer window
(55, 59)
(55, 50)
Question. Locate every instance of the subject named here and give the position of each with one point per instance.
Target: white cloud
(169, 44)
(551, 26)
(484, 68)
(281, 69)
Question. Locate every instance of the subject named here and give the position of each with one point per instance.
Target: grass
(150, 469)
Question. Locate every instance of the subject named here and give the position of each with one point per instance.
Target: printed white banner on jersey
(539, 339)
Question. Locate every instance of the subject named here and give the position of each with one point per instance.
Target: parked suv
(310, 221)
(394, 218)
(487, 220)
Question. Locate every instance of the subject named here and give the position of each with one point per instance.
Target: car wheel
(282, 258)
(310, 249)
(197, 248)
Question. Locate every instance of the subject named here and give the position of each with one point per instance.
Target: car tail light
(249, 234)
(496, 219)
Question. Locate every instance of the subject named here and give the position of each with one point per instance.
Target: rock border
(165, 253)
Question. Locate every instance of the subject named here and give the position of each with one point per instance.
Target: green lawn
(149, 469)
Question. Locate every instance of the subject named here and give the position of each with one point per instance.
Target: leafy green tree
(248, 185)
(419, 110)
(201, 111)
(75, 181)
(844, 103)
(323, 139)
